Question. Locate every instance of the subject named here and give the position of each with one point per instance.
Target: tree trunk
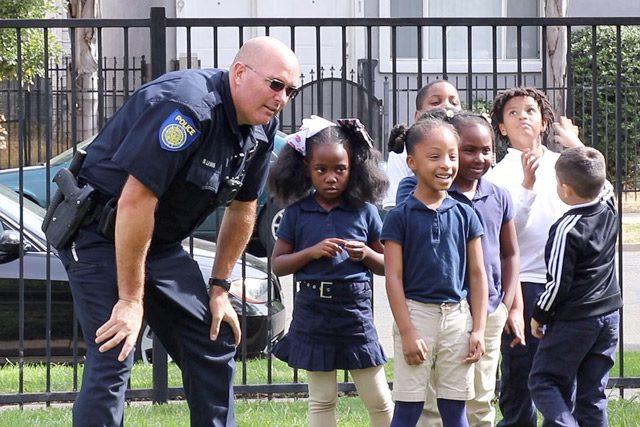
(85, 74)
(556, 51)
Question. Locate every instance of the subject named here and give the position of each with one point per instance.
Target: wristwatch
(223, 283)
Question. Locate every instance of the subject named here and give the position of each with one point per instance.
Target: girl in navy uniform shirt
(330, 239)
(433, 259)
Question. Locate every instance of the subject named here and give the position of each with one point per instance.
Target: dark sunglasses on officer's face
(276, 85)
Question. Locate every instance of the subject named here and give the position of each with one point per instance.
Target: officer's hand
(222, 311)
(124, 324)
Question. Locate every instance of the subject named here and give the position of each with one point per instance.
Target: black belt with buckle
(327, 289)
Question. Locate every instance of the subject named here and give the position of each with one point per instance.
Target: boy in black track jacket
(578, 313)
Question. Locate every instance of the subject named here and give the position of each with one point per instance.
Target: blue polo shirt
(179, 136)
(434, 247)
(494, 207)
(306, 223)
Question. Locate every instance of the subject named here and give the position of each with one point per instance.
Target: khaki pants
(480, 410)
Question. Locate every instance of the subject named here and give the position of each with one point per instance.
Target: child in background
(581, 302)
(433, 258)
(330, 239)
(524, 117)
(436, 94)
(494, 207)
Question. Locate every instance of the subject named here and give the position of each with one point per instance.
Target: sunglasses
(276, 85)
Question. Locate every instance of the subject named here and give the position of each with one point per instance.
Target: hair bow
(356, 130)
(310, 127)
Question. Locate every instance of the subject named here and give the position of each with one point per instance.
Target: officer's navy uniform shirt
(306, 223)
(494, 207)
(179, 136)
(434, 247)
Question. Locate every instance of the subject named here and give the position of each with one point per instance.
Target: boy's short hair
(584, 169)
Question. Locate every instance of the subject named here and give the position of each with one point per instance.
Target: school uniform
(535, 212)
(580, 306)
(434, 251)
(494, 207)
(332, 323)
(179, 136)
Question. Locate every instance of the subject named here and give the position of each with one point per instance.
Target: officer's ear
(238, 69)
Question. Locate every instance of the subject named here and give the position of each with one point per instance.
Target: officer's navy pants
(515, 402)
(176, 305)
(579, 352)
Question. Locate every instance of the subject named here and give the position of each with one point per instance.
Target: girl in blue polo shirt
(433, 258)
(495, 210)
(329, 238)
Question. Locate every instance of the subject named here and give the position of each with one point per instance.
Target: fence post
(158, 50)
(158, 38)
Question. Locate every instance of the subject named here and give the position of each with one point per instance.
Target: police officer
(180, 146)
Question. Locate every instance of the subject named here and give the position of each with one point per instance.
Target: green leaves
(32, 40)
(603, 90)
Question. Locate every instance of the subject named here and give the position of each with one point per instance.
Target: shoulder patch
(177, 132)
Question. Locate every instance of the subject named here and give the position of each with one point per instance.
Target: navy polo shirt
(306, 223)
(434, 247)
(494, 207)
(405, 187)
(179, 136)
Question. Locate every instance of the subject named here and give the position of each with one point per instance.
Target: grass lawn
(631, 233)
(263, 412)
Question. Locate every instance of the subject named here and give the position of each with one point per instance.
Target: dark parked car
(261, 319)
(35, 189)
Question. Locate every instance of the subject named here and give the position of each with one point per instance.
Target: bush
(604, 110)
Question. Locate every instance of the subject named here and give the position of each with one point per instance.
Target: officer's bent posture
(179, 147)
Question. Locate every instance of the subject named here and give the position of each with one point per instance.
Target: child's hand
(357, 250)
(515, 327)
(566, 133)
(476, 347)
(537, 330)
(414, 348)
(530, 164)
(327, 248)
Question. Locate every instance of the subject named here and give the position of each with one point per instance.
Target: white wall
(594, 8)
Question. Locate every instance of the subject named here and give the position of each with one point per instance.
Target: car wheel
(268, 225)
(144, 349)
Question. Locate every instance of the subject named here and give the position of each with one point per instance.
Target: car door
(28, 299)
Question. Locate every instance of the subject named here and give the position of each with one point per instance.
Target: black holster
(70, 206)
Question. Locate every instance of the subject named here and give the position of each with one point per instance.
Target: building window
(456, 37)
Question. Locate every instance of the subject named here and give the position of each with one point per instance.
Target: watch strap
(223, 283)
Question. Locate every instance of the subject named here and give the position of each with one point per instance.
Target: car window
(66, 155)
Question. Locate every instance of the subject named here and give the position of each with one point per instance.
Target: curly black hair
(289, 182)
(497, 111)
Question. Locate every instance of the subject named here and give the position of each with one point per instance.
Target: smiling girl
(433, 260)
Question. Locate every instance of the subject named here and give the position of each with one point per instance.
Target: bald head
(258, 49)
(263, 74)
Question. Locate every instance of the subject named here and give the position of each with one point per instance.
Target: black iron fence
(379, 87)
